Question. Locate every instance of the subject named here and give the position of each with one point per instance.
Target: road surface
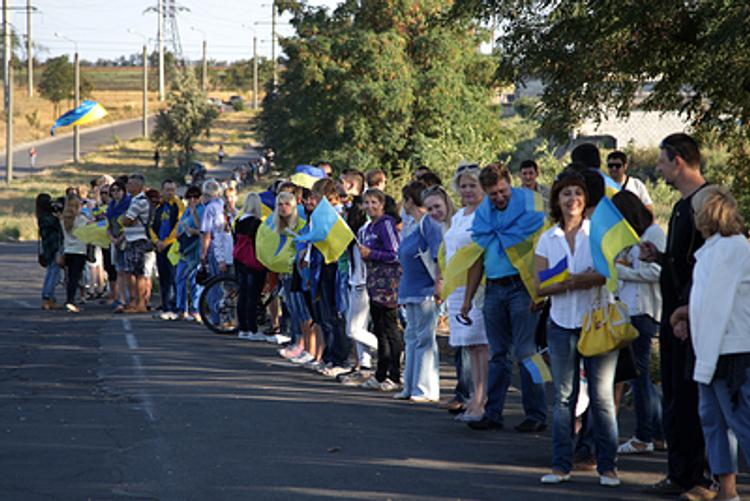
(59, 150)
(105, 407)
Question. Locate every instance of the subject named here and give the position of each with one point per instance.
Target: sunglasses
(433, 190)
(464, 168)
(614, 166)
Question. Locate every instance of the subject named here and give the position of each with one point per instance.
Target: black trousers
(682, 425)
(390, 344)
(74, 264)
(251, 285)
(166, 280)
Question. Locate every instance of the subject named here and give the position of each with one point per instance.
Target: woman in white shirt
(719, 315)
(570, 299)
(74, 251)
(639, 289)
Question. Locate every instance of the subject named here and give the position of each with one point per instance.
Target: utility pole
(76, 128)
(161, 49)
(8, 98)
(255, 72)
(29, 50)
(204, 70)
(273, 41)
(145, 90)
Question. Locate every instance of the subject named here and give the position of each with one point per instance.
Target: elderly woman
(719, 315)
(417, 254)
(570, 299)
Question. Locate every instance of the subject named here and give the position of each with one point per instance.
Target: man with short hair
(617, 165)
(529, 172)
(164, 234)
(138, 246)
(679, 163)
(587, 154)
(509, 316)
(326, 167)
(376, 179)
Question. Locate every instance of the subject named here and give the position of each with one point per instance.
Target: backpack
(244, 252)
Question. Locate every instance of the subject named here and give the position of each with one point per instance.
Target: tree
(57, 81)
(383, 84)
(187, 117)
(596, 57)
(239, 74)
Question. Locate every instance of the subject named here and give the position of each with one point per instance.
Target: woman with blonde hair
(74, 251)
(717, 318)
(250, 272)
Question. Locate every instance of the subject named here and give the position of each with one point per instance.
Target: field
(17, 220)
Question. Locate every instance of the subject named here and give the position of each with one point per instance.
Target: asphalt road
(59, 150)
(104, 407)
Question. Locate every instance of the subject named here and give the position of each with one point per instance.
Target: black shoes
(485, 424)
(530, 426)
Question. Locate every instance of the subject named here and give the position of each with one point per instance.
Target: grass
(17, 221)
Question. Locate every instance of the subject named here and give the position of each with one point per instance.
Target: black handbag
(40, 255)
(91, 253)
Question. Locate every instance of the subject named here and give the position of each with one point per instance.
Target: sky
(100, 27)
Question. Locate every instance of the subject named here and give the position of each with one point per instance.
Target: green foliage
(383, 84)
(239, 75)
(188, 116)
(58, 81)
(598, 57)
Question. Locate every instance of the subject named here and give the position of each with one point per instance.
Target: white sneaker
(554, 478)
(276, 339)
(168, 315)
(302, 359)
(336, 371)
(401, 395)
(243, 334)
(256, 336)
(635, 446)
(389, 385)
(609, 481)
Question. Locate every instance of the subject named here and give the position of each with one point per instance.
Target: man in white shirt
(617, 165)
(529, 172)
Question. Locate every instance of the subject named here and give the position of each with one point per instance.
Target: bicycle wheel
(218, 304)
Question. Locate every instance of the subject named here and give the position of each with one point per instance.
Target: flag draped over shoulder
(329, 233)
(94, 233)
(87, 111)
(609, 234)
(276, 252)
(456, 271)
(517, 228)
(306, 175)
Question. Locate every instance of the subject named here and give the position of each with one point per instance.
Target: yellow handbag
(605, 328)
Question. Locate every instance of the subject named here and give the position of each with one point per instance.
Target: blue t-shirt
(416, 283)
(496, 262)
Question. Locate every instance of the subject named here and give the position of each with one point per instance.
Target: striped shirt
(139, 212)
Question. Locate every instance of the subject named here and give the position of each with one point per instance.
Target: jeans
(251, 285)
(337, 343)
(74, 263)
(421, 361)
(647, 402)
(464, 381)
(600, 373)
(51, 277)
(166, 280)
(186, 288)
(510, 322)
(385, 325)
(724, 424)
(295, 329)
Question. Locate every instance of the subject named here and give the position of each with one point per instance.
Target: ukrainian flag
(537, 368)
(610, 233)
(88, 111)
(306, 175)
(554, 275)
(276, 252)
(611, 187)
(268, 203)
(94, 233)
(518, 229)
(455, 272)
(329, 233)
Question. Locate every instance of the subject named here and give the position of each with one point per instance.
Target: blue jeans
(464, 381)
(421, 359)
(600, 374)
(166, 280)
(51, 278)
(725, 424)
(187, 290)
(510, 322)
(647, 402)
(337, 343)
(295, 329)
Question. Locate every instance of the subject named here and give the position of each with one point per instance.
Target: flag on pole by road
(88, 111)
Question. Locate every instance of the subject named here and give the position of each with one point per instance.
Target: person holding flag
(506, 226)
(564, 267)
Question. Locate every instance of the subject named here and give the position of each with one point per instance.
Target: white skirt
(465, 335)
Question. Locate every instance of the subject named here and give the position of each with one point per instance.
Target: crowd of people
(448, 251)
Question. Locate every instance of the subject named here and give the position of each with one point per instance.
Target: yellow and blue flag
(329, 233)
(611, 187)
(276, 251)
(88, 111)
(306, 175)
(268, 203)
(517, 228)
(554, 275)
(537, 368)
(94, 233)
(610, 233)
(456, 271)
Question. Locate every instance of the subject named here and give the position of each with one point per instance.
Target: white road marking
(24, 304)
(140, 372)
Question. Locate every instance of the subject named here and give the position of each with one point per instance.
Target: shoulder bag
(606, 327)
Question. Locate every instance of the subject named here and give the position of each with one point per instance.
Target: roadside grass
(17, 221)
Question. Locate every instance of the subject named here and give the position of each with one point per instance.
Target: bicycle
(218, 301)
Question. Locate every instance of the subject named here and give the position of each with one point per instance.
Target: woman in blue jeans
(570, 299)
(639, 289)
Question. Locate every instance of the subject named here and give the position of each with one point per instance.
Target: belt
(509, 280)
